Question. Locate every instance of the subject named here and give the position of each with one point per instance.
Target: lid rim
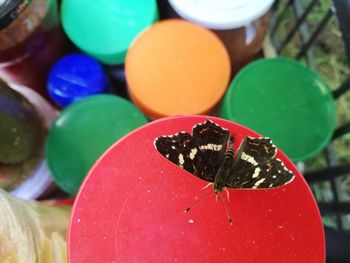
(213, 92)
(59, 174)
(225, 113)
(219, 23)
(114, 52)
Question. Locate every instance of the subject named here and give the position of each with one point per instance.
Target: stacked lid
(132, 207)
(104, 29)
(221, 14)
(83, 131)
(286, 101)
(176, 67)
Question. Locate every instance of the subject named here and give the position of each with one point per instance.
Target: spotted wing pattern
(199, 154)
(254, 166)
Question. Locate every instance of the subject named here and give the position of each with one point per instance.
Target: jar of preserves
(241, 25)
(31, 40)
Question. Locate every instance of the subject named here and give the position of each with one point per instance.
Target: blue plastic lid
(74, 77)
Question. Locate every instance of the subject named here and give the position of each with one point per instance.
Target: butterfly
(209, 155)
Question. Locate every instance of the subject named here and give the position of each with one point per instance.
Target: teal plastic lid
(286, 101)
(104, 29)
(81, 134)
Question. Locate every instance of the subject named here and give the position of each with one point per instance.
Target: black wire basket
(317, 32)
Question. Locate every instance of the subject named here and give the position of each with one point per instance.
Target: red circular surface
(131, 209)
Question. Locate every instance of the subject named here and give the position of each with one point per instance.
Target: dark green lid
(81, 134)
(286, 101)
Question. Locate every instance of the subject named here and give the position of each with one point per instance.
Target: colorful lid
(184, 66)
(74, 77)
(82, 132)
(286, 101)
(104, 29)
(221, 14)
(131, 208)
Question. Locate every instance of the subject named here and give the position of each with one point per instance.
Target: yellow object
(32, 232)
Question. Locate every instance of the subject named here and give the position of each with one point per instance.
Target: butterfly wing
(211, 140)
(255, 167)
(179, 149)
(199, 154)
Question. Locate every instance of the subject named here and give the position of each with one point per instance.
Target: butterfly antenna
(227, 211)
(196, 202)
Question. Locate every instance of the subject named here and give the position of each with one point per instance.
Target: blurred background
(54, 112)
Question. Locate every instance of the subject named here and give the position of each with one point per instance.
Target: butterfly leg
(227, 211)
(207, 186)
(197, 201)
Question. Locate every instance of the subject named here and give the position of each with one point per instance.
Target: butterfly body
(209, 155)
(223, 173)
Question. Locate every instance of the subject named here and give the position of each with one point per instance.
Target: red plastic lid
(131, 206)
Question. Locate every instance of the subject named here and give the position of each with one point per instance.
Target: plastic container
(82, 132)
(241, 25)
(32, 231)
(25, 118)
(74, 77)
(176, 67)
(31, 40)
(131, 208)
(286, 101)
(104, 29)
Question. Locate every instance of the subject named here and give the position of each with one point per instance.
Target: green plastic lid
(82, 132)
(104, 29)
(286, 101)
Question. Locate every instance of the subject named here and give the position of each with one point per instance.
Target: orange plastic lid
(176, 67)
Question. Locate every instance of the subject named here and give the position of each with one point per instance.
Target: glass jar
(31, 40)
(241, 25)
(24, 119)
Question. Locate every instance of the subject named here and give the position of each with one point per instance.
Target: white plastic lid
(221, 14)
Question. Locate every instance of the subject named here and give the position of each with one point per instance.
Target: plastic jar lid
(74, 77)
(131, 209)
(221, 14)
(82, 132)
(184, 66)
(286, 101)
(104, 29)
